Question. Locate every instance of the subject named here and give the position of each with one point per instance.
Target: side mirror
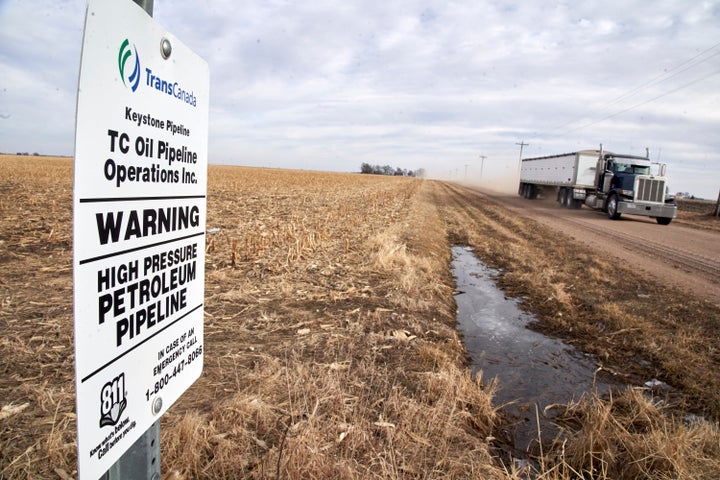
(662, 169)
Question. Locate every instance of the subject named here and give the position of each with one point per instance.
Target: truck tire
(562, 197)
(663, 220)
(567, 199)
(612, 207)
(532, 192)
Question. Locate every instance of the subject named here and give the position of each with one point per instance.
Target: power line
(658, 78)
(643, 103)
(654, 81)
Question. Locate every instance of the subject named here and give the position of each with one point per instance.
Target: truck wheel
(663, 220)
(532, 192)
(521, 189)
(612, 207)
(562, 197)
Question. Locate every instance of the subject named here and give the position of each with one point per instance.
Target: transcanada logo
(133, 79)
(151, 80)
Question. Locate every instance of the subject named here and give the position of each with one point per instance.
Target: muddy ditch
(534, 371)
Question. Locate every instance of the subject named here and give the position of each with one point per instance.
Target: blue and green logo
(124, 57)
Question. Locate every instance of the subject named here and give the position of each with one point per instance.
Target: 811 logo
(112, 401)
(133, 78)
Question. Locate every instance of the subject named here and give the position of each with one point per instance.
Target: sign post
(139, 231)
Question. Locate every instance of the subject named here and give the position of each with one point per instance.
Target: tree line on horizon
(392, 171)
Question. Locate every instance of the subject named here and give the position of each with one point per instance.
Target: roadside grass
(637, 330)
(631, 435)
(627, 321)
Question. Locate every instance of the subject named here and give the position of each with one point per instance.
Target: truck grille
(650, 190)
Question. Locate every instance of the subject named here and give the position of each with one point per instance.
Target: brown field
(698, 214)
(330, 341)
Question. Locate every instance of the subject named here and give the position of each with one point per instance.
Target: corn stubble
(330, 340)
(331, 349)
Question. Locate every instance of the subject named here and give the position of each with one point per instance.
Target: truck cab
(626, 184)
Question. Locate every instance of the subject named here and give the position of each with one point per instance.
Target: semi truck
(614, 183)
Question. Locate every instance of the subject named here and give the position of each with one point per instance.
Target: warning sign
(139, 227)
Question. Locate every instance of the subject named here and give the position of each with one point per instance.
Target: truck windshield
(621, 167)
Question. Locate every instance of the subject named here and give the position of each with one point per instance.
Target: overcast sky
(328, 85)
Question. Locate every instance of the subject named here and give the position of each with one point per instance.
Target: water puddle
(532, 369)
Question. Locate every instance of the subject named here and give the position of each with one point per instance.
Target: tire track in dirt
(686, 260)
(471, 213)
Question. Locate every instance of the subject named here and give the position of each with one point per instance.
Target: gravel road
(676, 255)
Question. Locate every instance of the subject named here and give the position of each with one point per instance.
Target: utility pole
(522, 144)
(482, 163)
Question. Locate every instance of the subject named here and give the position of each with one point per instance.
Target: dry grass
(315, 345)
(319, 288)
(632, 436)
(698, 214)
(331, 349)
(646, 329)
(637, 331)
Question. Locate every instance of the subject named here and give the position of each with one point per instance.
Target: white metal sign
(139, 227)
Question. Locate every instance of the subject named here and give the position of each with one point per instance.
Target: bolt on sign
(139, 227)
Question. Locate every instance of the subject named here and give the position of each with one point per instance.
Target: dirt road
(676, 255)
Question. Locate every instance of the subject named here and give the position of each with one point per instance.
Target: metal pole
(142, 460)
(522, 144)
(146, 5)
